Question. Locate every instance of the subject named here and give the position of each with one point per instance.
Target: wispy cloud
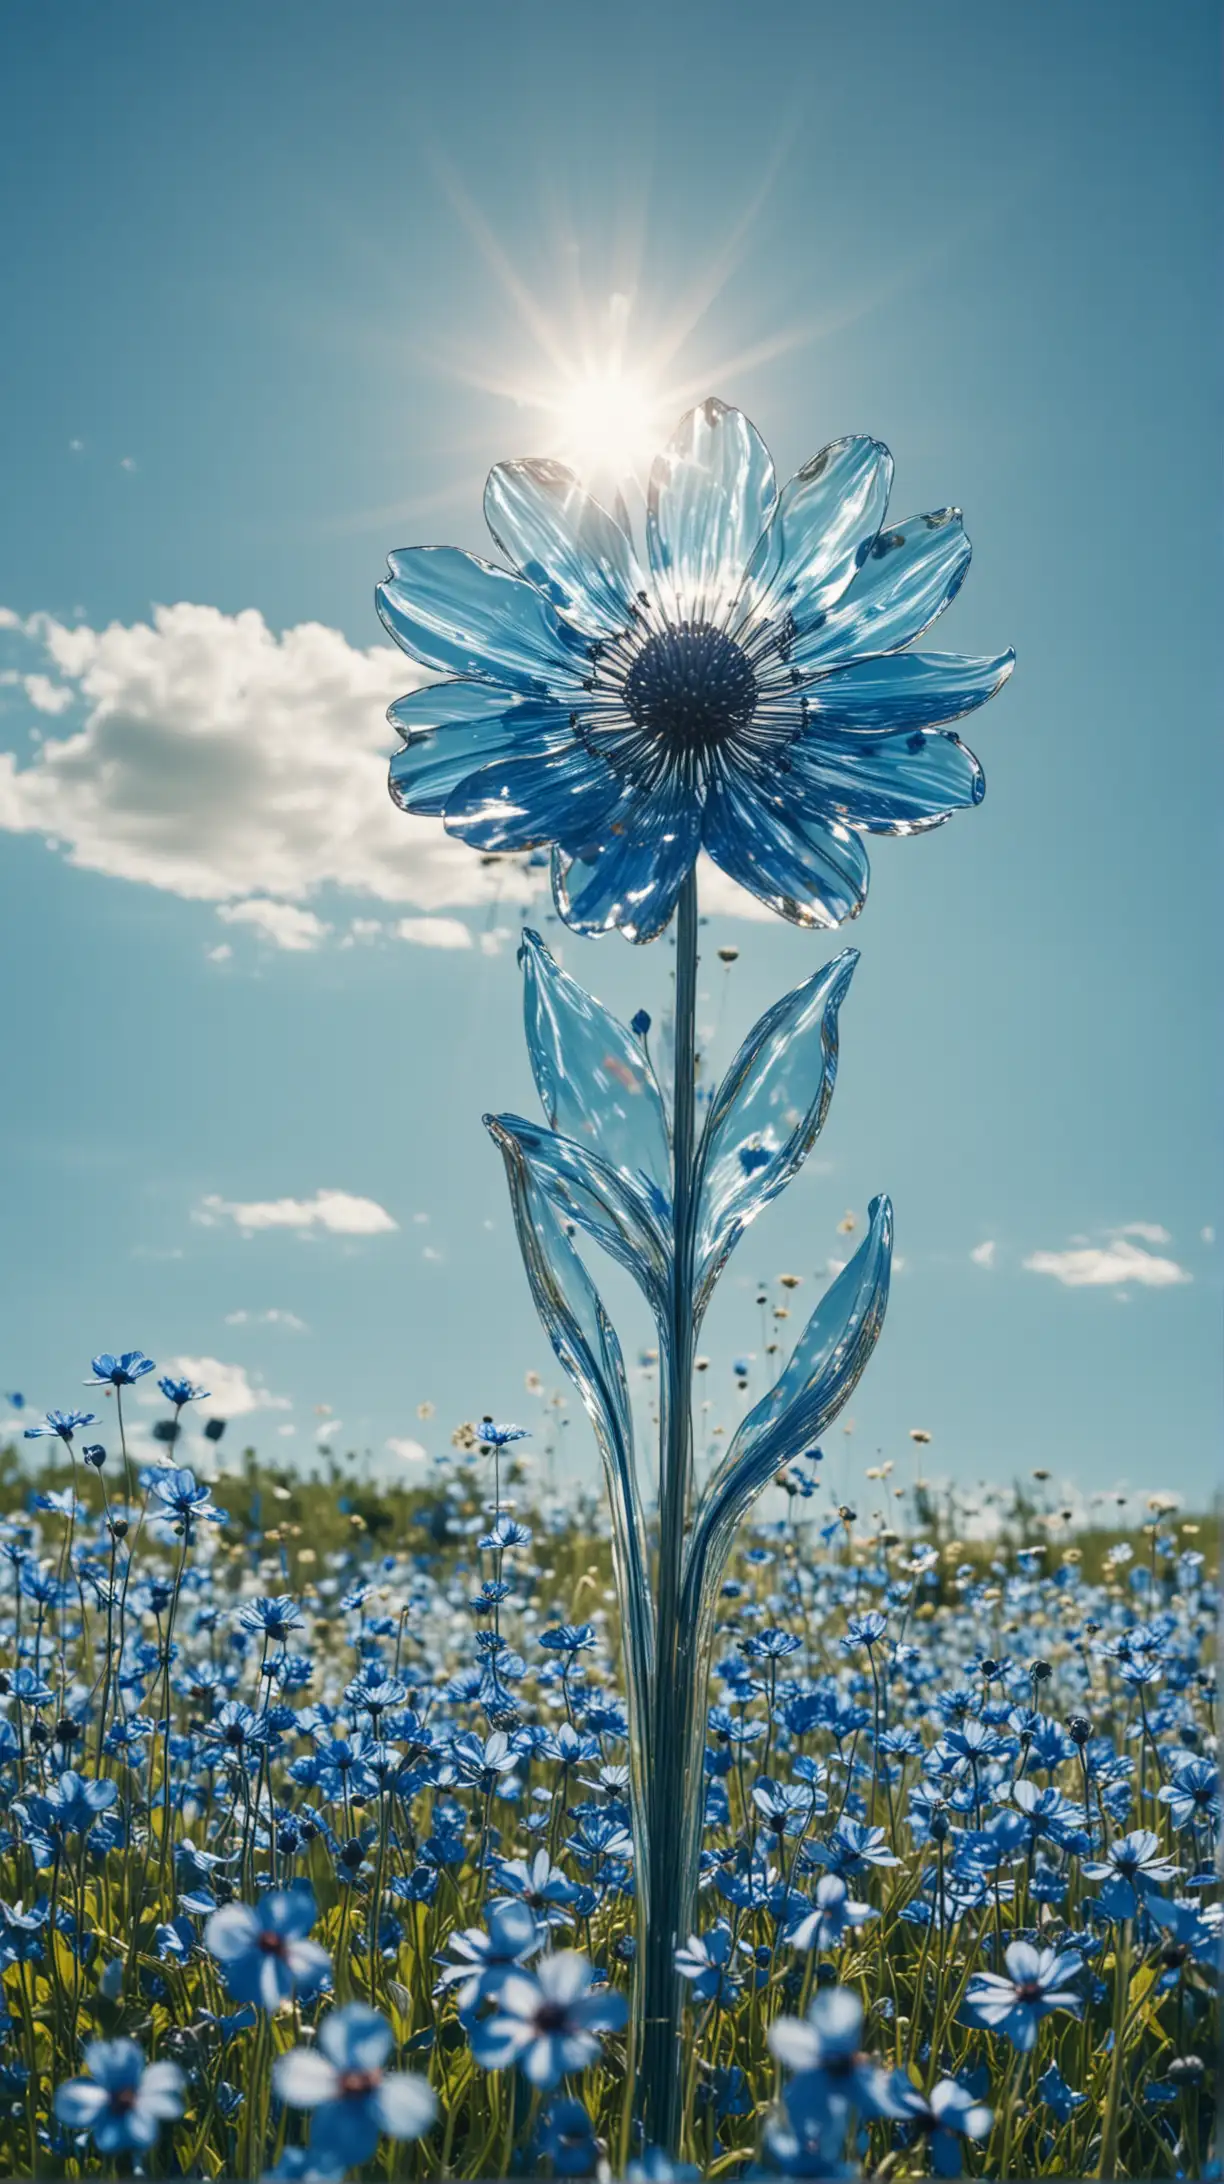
(232, 1394)
(339, 1213)
(409, 1452)
(280, 922)
(984, 1254)
(1112, 1265)
(274, 1317)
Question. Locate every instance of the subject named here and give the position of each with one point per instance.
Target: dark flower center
(551, 2017)
(355, 2084)
(271, 1944)
(123, 2098)
(691, 686)
(1029, 1990)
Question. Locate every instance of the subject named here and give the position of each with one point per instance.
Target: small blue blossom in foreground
(549, 2023)
(264, 1954)
(1038, 1981)
(123, 2101)
(354, 2102)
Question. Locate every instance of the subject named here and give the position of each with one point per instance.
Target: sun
(607, 423)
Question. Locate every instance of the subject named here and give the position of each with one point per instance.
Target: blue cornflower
(484, 1961)
(119, 1372)
(264, 1954)
(852, 1846)
(864, 1630)
(180, 1392)
(788, 1807)
(183, 1496)
(747, 692)
(123, 2101)
(1131, 1869)
(541, 1886)
(548, 2022)
(947, 2114)
(504, 1532)
(835, 1913)
(1059, 2097)
(1192, 1793)
(571, 1638)
(273, 1614)
(833, 2075)
(342, 2080)
(567, 2138)
(705, 1961)
(72, 1804)
(491, 1435)
(61, 1424)
(1037, 1982)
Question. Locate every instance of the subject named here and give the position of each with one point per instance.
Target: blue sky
(282, 283)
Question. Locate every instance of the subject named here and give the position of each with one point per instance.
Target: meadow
(316, 1837)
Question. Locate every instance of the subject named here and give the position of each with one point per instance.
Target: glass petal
(517, 803)
(899, 784)
(822, 1374)
(633, 876)
(811, 872)
(905, 690)
(622, 1215)
(585, 1341)
(710, 496)
(460, 727)
(822, 532)
(564, 543)
(464, 617)
(767, 1113)
(913, 571)
(594, 1081)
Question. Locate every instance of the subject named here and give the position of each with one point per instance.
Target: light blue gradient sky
(266, 257)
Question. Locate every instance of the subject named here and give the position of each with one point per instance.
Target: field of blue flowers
(317, 1853)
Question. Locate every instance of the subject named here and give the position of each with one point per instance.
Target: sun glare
(608, 424)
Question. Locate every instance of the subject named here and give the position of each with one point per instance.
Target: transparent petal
(462, 616)
(594, 1081)
(564, 543)
(573, 1317)
(517, 803)
(813, 873)
(710, 496)
(913, 571)
(767, 1113)
(899, 784)
(629, 1219)
(822, 1374)
(631, 877)
(479, 723)
(905, 690)
(823, 530)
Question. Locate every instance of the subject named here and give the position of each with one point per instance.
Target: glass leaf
(594, 1081)
(573, 1317)
(462, 616)
(631, 1219)
(821, 1376)
(767, 1114)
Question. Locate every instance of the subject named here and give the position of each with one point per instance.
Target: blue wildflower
(1037, 1981)
(354, 2102)
(123, 2101)
(549, 2022)
(119, 1372)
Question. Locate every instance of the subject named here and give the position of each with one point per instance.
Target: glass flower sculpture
(747, 691)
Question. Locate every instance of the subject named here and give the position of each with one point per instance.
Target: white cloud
(231, 1393)
(1207, 1235)
(220, 954)
(1107, 1266)
(272, 1318)
(280, 922)
(339, 1212)
(221, 762)
(411, 1452)
(720, 897)
(1148, 1232)
(984, 1254)
(46, 696)
(434, 932)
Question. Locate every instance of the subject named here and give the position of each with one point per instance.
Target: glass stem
(671, 1791)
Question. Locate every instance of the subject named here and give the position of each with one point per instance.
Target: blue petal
(900, 784)
(812, 873)
(564, 543)
(913, 571)
(464, 617)
(455, 729)
(594, 1081)
(632, 877)
(823, 530)
(905, 690)
(711, 493)
(517, 803)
